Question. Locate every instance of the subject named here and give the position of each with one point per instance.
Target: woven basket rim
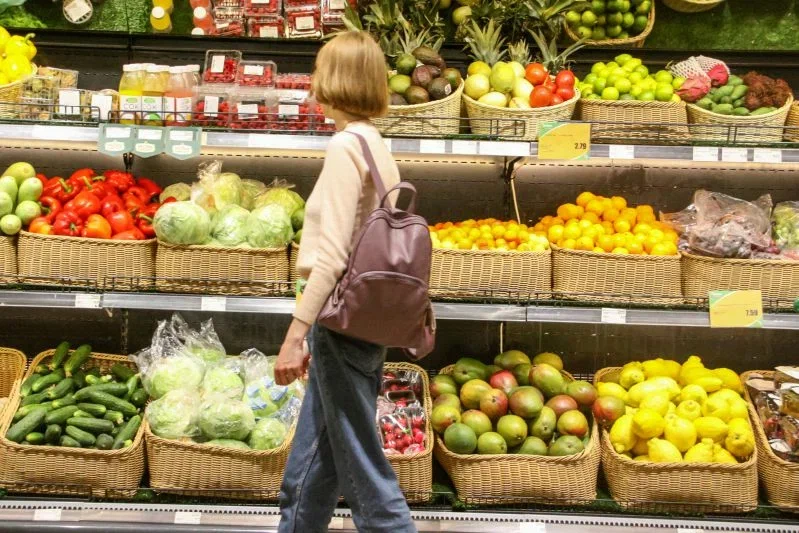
(735, 260)
(222, 249)
(64, 238)
(78, 452)
(631, 103)
(742, 119)
(10, 85)
(616, 257)
(428, 409)
(413, 108)
(493, 253)
(520, 112)
(618, 42)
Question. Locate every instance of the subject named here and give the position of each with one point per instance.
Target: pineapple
(519, 52)
(548, 16)
(485, 45)
(550, 58)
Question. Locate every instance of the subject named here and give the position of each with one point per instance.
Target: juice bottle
(194, 72)
(152, 101)
(130, 93)
(201, 3)
(168, 5)
(202, 19)
(160, 20)
(178, 98)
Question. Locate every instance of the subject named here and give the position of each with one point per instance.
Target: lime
(597, 67)
(613, 31)
(651, 84)
(636, 2)
(615, 19)
(664, 92)
(610, 93)
(636, 91)
(598, 6)
(640, 23)
(676, 98)
(635, 77)
(586, 90)
(624, 5)
(573, 18)
(584, 32)
(624, 35)
(627, 97)
(612, 64)
(620, 72)
(622, 59)
(677, 83)
(598, 34)
(642, 70)
(600, 84)
(588, 19)
(613, 78)
(601, 20)
(633, 63)
(664, 76)
(623, 86)
(647, 96)
(612, 6)
(592, 97)
(628, 19)
(604, 73)
(590, 79)
(643, 8)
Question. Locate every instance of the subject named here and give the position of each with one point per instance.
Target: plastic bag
(205, 344)
(266, 398)
(5, 4)
(175, 415)
(224, 379)
(225, 418)
(214, 189)
(785, 224)
(250, 189)
(280, 193)
(268, 434)
(230, 225)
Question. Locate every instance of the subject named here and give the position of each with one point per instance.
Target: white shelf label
(690, 530)
(768, 155)
(338, 4)
(304, 23)
(288, 110)
(104, 103)
(69, 102)
(248, 111)
(181, 136)
(112, 132)
(150, 135)
(532, 527)
(213, 303)
(47, 515)
(87, 301)
(613, 316)
(735, 155)
(464, 147)
(211, 105)
(336, 523)
(218, 64)
(188, 517)
(432, 146)
(504, 148)
(706, 153)
(261, 2)
(621, 151)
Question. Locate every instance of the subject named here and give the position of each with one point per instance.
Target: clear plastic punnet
(261, 8)
(304, 23)
(221, 66)
(256, 74)
(271, 27)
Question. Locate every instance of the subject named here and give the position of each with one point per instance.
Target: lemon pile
(487, 234)
(680, 413)
(608, 225)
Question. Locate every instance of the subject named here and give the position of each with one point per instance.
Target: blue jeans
(336, 449)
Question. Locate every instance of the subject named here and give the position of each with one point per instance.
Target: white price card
(288, 110)
(613, 316)
(336, 523)
(69, 102)
(432, 146)
(211, 105)
(248, 111)
(706, 153)
(532, 527)
(188, 517)
(103, 103)
(150, 134)
(185, 136)
(217, 64)
(47, 515)
(735, 155)
(213, 303)
(621, 151)
(690, 530)
(87, 301)
(113, 132)
(268, 32)
(464, 147)
(767, 155)
(304, 23)
(253, 70)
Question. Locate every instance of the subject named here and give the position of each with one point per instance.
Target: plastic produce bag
(265, 397)
(205, 344)
(250, 189)
(785, 225)
(214, 189)
(268, 434)
(280, 193)
(224, 379)
(5, 4)
(269, 227)
(230, 225)
(175, 415)
(225, 418)
(179, 191)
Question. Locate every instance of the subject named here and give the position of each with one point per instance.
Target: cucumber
(69, 399)
(94, 409)
(85, 438)
(122, 372)
(139, 398)
(59, 416)
(39, 397)
(94, 371)
(112, 402)
(63, 388)
(82, 414)
(127, 444)
(41, 369)
(61, 352)
(128, 432)
(114, 389)
(29, 423)
(25, 410)
(45, 381)
(52, 434)
(35, 437)
(91, 379)
(69, 442)
(78, 357)
(131, 384)
(734, 80)
(104, 441)
(116, 431)
(79, 378)
(92, 425)
(114, 416)
(27, 385)
(740, 112)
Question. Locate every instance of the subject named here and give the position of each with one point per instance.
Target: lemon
(720, 455)
(621, 434)
(693, 392)
(633, 364)
(630, 410)
(662, 451)
(667, 384)
(672, 369)
(692, 362)
(680, 432)
(708, 427)
(659, 367)
(672, 410)
(658, 402)
(641, 447)
(689, 410)
(703, 377)
(642, 458)
(728, 395)
(700, 453)
(730, 380)
(631, 376)
(639, 391)
(739, 408)
(740, 440)
(718, 407)
(648, 424)
(612, 389)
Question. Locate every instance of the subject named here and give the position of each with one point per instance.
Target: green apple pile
(610, 19)
(627, 78)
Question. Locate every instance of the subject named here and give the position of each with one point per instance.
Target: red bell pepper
(131, 235)
(82, 173)
(150, 186)
(68, 223)
(97, 227)
(149, 210)
(140, 193)
(132, 204)
(145, 224)
(61, 189)
(41, 225)
(121, 181)
(42, 178)
(51, 207)
(120, 221)
(97, 186)
(85, 204)
(111, 204)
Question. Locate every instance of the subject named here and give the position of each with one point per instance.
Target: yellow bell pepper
(17, 44)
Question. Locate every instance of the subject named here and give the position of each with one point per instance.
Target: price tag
(690, 530)
(767, 155)
(336, 523)
(211, 105)
(564, 140)
(87, 301)
(188, 517)
(504, 148)
(613, 316)
(532, 527)
(288, 110)
(706, 153)
(304, 23)
(735, 155)
(77, 9)
(217, 64)
(253, 70)
(114, 139)
(101, 106)
(268, 32)
(248, 111)
(432, 146)
(69, 102)
(47, 515)
(213, 303)
(464, 147)
(340, 5)
(261, 2)
(183, 143)
(149, 141)
(736, 309)
(621, 151)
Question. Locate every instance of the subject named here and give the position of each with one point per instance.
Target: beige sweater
(342, 199)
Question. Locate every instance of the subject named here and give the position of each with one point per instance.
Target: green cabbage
(250, 189)
(223, 380)
(182, 223)
(268, 433)
(223, 418)
(228, 443)
(282, 196)
(179, 191)
(180, 372)
(230, 225)
(175, 415)
(269, 227)
(226, 190)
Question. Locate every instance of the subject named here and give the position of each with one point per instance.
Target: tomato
(565, 78)
(535, 73)
(550, 84)
(540, 97)
(566, 93)
(556, 99)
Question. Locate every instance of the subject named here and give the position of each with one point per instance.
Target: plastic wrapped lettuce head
(224, 380)
(269, 227)
(250, 189)
(282, 196)
(268, 434)
(230, 225)
(226, 190)
(175, 415)
(228, 443)
(224, 418)
(179, 372)
(179, 191)
(182, 223)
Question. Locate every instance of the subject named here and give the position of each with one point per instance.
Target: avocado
(405, 64)
(417, 95)
(397, 99)
(422, 76)
(439, 88)
(434, 71)
(428, 56)
(453, 76)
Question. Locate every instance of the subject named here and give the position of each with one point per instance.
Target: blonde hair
(350, 75)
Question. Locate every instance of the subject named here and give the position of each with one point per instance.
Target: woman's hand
(292, 362)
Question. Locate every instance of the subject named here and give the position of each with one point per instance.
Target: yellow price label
(564, 140)
(736, 309)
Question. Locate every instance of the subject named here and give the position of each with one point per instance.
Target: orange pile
(607, 225)
(487, 234)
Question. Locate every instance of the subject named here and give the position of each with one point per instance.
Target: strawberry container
(212, 107)
(228, 4)
(320, 122)
(336, 7)
(221, 66)
(294, 81)
(249, 110)
(256, 74)
(290, 111)
(304, 23)
(302, 5)
(228, 22)
(266, 27)
(262, 8)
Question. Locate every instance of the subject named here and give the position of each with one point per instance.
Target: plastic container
(212, 106)
(228, 3)
(290, 111)
(228, 23)
(201, 3)
(266, 27)
(160, 20)
(67, 79)
(221, 66)
(304, 23)
(320, 122)
(337, 7)
(261, 8)
(203, 19)
(78, 11)
(178, 98)
(290, 5)
(38, 97)
(249, 110)
(73, 104)
(130, 93)
(168, 5)
(152, 101)
(294, 81)
(256, 74)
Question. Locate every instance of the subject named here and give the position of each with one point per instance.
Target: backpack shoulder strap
(370, 163)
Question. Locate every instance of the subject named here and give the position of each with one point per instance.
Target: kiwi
(453, 76)
(439, 88)
(422, 76)
(417, 95)
(397, 99)
(405, 64)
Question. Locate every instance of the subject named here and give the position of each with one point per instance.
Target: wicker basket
(12, 368)
(692, 6)
(482, 273)
(73, 471)
(643, 122)
(679, 487)
(569, 480)
(117, 265)
(433, 119)
(294, 253)
(707, 126)
(778, 280)
(515, 123)
(10, 94)
(415, 472)
(211, 269)
(792, 122)
(8, 259)
(780, 478)
(591, 276)
(636, 41)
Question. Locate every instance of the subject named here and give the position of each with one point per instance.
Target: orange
(557, 221)
(539, 227)
(443, 233)
(569, 244)
(672, 236)
(564, 211)
(485, 228)
(483, 244)
(610, 214)
(645, 209)
(584, 198)
(621, 225)
(657, 234)
(511, 235)
(620, 250)
(608, 227)
(595, 206)
(600, 229)
(593, 217)
(635, 248)
(547, 219)
(607, 203)
(672, 248)
(465, 244)
(498, 232)
(448, 225)
(642, 227)
(474, 234)
(591, 232)
(619, 241)
(523, 227)
(629, 212)
(650, 243)
(572, 232)
(605, 242)
(524, 235)
(585, 243)
(598, 250)
(619, 203)
(662, 248)
(646, 217)
(555, 233)
(512, 245)
(640, 238)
